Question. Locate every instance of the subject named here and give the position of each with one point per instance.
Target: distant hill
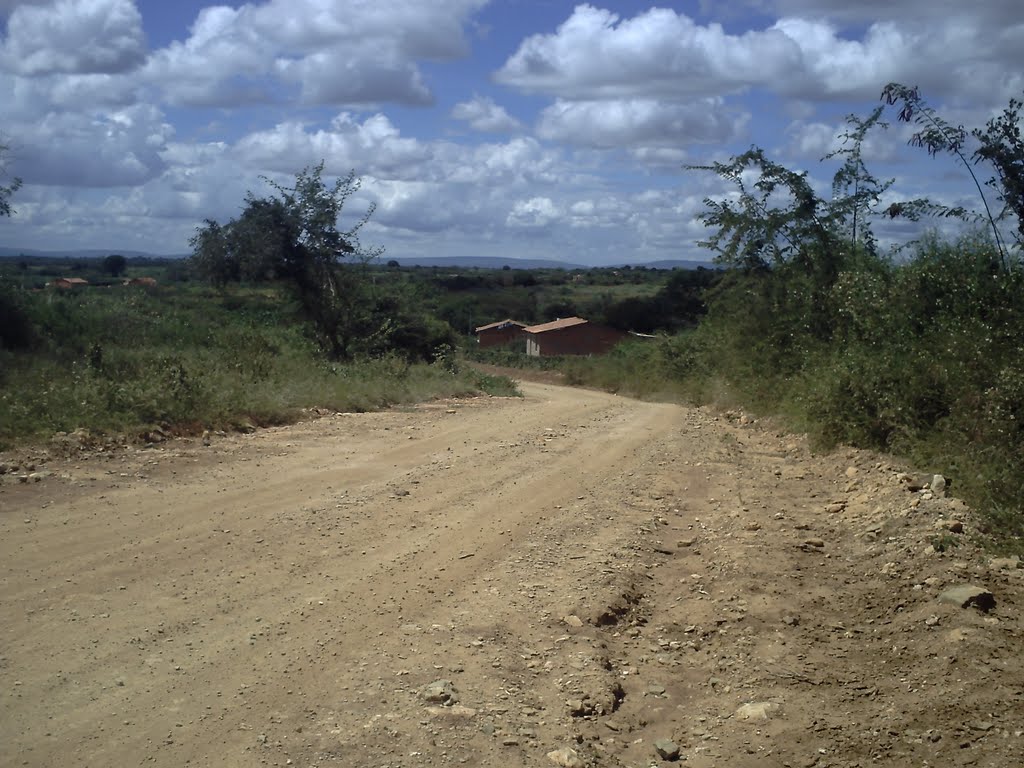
(492, 262)
(480, 262)
(677, 264)
(88, 253)
(450, 262)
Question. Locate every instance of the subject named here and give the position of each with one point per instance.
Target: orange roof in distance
(555, 325)
(500, 324)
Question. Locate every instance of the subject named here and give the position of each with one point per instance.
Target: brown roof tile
(499, 324)
(565, 322)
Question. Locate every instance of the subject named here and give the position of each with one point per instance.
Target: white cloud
(661, 54)
(73, 36)
(520, 162)
(6, 6)
(664, 159)
(103, 149)
(991, 14)
(537, 212)
(637, 123)
(622, 104)
(811, 141)
(332, 53)
(656, 54)
(372, 147)
(483, 114)
(349, 76)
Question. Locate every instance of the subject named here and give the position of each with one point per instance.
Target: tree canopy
(8, 189)
(293, 237)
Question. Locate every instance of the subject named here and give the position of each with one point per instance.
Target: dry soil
(570, 578)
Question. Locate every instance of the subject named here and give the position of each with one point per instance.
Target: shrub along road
(487, 581)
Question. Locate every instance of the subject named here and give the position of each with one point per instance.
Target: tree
(1000, 145)
(779, 218)
(114, 264)
(6, 190)
(293, 236)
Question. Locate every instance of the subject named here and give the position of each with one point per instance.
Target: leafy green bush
(112, 360)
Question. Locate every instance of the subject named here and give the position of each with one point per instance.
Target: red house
(570, 336)
(65, 283)
(501, 332)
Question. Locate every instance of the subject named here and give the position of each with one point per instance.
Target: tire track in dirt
(194, 597)
(590, 573)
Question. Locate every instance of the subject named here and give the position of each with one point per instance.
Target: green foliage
(112, 361)
(922, 358)
(677, 305)
(294, 237)
(752, 231)
(945, 541)
(6, 190)
(999, 144)
(15, 324)
(114, 265)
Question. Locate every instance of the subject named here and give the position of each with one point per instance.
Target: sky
(509, 128)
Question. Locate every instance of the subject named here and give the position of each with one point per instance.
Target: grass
(124, 360)
(921, 359)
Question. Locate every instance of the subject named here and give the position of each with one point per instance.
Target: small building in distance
(499, 333)
(570, 336)
(65, 283)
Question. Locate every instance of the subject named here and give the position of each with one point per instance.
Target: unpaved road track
(589, 572)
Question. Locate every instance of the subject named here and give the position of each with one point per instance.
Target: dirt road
(488, 581)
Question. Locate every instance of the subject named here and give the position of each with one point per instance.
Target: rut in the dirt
(600, 581)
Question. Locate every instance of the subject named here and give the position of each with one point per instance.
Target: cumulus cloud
(605, 212)
(105, 149)
(6, 6)
(332, 53)
(657, 54)
(535, 213)
(637, 123)
(483, 114)
(346, 77)
(89, 126)
(373, 146)
(73, 36)
(662, 54)
(520, 162)
(660, 159)
(991, 14)
(813, 140)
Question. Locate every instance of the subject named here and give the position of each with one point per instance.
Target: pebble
(440, 692)
(758, 710)
(1005, 563)
(567, 757)
(968, 595)
(667, 749)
